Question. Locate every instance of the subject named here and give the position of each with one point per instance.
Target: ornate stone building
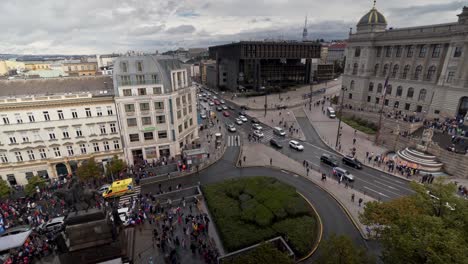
(427, 67)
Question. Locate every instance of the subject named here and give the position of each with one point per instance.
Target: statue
(77, 197)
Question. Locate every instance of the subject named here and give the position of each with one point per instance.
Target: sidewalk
(259, 155)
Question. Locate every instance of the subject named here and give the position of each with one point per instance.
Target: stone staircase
(425, 162)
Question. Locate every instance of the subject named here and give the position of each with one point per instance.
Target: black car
(243, 107)
(329, 160)
(275, 143)
(254, 120)
(352, 162)
(242, 113)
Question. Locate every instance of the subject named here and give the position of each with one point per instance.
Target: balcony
(138, 82)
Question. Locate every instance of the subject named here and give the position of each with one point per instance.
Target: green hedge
(250, 210)
(265, 253)
(360, 124)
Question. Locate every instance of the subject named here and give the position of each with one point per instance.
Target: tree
(115, 166)
(34, 183)
(89, 170)
(340, 249)
(430, 226)
(5, 189)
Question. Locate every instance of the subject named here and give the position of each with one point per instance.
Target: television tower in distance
(304, 32)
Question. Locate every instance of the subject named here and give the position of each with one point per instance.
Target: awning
(13, 241)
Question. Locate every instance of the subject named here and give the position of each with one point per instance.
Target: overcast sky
(104, 26)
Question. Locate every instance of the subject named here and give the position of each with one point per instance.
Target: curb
(318, 239)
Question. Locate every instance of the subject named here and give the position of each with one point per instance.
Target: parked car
(340, 172)
(242, 113)
(105, 187)
(231, 127)
(352, 162)
(296, 145)
(243, 118)
(226, 114)
(254, 120)
(275, 143)
(257, 126)
(258, 133)
(329, 160)
(239, 122)
(279, 131)
(54, 224)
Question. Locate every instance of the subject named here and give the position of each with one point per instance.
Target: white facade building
(156, 104)
(427, 67)
(49, 126)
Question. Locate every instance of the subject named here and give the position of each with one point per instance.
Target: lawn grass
(360, 124)
(248, 211)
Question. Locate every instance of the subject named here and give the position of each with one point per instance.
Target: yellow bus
(119, 188)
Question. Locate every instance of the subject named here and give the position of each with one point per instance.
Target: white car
(243, 118)
(211, 103)
(231, 128)
(222, 101)
(296, 145)
(54, 224)
(239, 122)
(224, 107)
(124, 216)
(258, 133)
(104, 188)
(257, 127)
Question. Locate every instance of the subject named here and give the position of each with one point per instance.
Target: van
(331, 112)
(119, 188)
(279, 131)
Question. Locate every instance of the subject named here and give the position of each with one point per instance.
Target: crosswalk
(234, 141)
(125, 199)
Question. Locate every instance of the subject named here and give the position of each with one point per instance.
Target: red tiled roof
(338, 45)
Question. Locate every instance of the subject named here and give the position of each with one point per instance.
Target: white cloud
(90, 26)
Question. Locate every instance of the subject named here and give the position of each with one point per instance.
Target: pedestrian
(244, 158)
(352, 197)
(271, 161)
(354, 141)
(360, 201)
(367, 154)
(308, 171)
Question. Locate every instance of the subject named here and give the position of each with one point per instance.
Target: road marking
(379, 193)
(285, 171)
(390, 181)
(386, 185)
(396, 194)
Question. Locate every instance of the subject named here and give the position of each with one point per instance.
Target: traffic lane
(310, 133)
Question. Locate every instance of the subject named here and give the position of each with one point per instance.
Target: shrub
(265, 253)
(299, 231)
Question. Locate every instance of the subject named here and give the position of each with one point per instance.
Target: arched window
(417, 72)
(405, 72)
(389, 89)
(395, 70)
(376, 69)
(379, 88)
(399, 91)
(410, 92)
(431, 73)
(385, 70)
(355, 68)
(371, 87)
(422, 95)
(351, 85)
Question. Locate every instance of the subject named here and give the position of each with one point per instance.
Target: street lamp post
(338, 134)
(310, 101)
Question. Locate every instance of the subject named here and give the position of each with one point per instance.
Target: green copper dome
(372, 17)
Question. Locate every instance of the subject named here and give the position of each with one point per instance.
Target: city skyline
(52, 27)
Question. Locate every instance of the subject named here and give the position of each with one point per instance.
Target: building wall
(80, 69)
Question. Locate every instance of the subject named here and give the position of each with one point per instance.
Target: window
(389, 89)
(129, 108)
(376, 69)
(65, 134)
(60, 115)
(139, 66)
(154, 78)
(422, 51)
(377, 100)
(106, 145)
(185, 125)
(189, 96)
(399, 91)
(184, 100)
(19, 120)
(357, 52)
(19, 157)
(102, 128)
(180, 128)
(458, 52)
(96, 147)
(113, 129)
(185, 110)
(417, 72)
(74, 113)
(398, 51)
(422, 95)
(159, 105)
(351, 85)
(109, 110)
(191, 121)
(418, 109)
(25, 138)
(431, 73)
(131, 122)
(148, 135)
(116, 144)
(12, 140)
(410, 92)
(98, 111)
(379, 52)
(141, 91)
(396, 104)
(3, 158)
(57, 152)
(146, 120)
(160, 119)
(42, 153)
(157, 90)
(436, 51)
(141, 80)
(395, 71)
(386, 102)
(409, 51)
(88, 112)
(31, 155)
(162, 134)
(379, 88)
(124, 66)
(350, 96)
(388, 52)
(125, 80)
(31, 118)
(450, 77)
(190, 108)
(51, 135)
(407, 106)
(70, 150)
(355, 68)
(144, 107)
(127, 92)
(371, 87)
(406, 70)
(368, 99)
(134, 137)
(6, 121)
(179, 114)
(178, 102)
(46, 115)
(385, 70)
(83, 148)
